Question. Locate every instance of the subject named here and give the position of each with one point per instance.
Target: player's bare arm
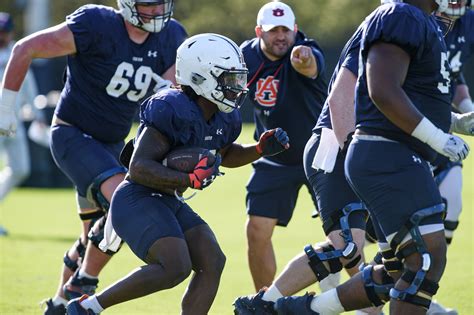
(53, 42)
(304, 61)
(341, 105)
(385, 81)
(271, 142)
(462, 99)
(146, 168)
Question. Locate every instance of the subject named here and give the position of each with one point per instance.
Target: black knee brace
(94, 192)
(91, 215)
(450, 226)
(316, 261)
(343, 217)
(378, 294)
(391, 262)
(97, 236)
(72, 264)
(417, 280)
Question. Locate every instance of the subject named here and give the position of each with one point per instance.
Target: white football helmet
(213, 66)
(156, 23)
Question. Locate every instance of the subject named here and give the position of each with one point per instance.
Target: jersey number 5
(120, 82)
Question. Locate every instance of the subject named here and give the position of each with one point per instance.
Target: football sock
(327, 303)
(83, 274)
(91, 303)
(272, 294)
(57, 300)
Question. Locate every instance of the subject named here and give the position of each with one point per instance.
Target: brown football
(185, 159)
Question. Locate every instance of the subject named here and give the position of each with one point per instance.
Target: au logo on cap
(278, 12)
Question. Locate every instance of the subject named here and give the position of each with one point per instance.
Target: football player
(460, 44)
(336, 199)
(115, 59)
(161, 228)
(403, 118)
(17, 163)
(287, 88)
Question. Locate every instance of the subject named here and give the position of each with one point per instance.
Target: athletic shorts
(332, 190)
(273, 189)
(141, 216)
(81, 157)
(393, 181)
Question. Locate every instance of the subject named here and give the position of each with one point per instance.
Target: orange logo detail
(267, 90)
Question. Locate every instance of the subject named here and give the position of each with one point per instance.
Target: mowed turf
(43, 223)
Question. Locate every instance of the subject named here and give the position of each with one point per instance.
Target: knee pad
(316, 261)
(378, 294)
(93, 191)
(70, 263)
(96, 235)
(417, 280)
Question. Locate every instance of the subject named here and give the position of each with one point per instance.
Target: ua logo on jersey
(267, 90)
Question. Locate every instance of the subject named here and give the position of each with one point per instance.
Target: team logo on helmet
(267, 91)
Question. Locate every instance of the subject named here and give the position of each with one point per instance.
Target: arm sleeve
(399, 28)
(79, 22)
(160, 115)
(351, 62)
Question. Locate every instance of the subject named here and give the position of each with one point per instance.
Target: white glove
(444, 143)
(7, 113)
(462, 123)
(161, 83)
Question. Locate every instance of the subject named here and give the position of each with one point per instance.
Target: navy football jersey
(349, 59)
(460, 44)
(180, 119)
(427, 79)
(109, 74)
(284, 98)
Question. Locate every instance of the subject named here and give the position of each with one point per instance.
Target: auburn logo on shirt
(267, 90)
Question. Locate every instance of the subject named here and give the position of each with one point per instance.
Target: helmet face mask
(146, 22)
(456, 10)
(212, 65)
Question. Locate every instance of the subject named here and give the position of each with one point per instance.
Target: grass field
(43, 223)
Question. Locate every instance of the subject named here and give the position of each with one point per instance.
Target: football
(184, 159)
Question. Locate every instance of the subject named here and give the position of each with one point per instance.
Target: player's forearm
(239, 154)
(462, 99)
(152, 174)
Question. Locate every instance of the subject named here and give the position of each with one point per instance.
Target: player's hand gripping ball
(201, 165)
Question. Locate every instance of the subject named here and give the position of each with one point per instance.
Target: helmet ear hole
(197, 79)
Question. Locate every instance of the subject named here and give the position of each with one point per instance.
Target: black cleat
(76, 287)
(253, 305)
(52, 309)
(295, 305)
(74, 307)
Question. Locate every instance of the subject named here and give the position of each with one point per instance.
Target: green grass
(43, 223)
